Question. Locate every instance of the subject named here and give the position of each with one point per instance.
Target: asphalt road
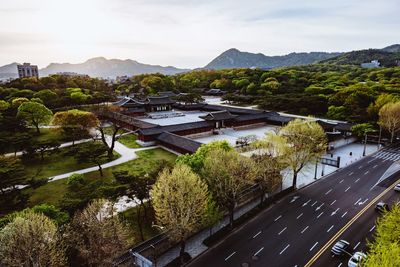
(291, 232)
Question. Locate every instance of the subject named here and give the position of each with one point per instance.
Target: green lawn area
(109, 130)
(129, 140)
(53, 192)
(56, 163)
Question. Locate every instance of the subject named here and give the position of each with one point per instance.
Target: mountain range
(232, 58)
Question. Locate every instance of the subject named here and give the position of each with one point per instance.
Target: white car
(397, 188)
(356, 258)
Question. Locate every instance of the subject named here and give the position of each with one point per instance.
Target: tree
(389, 118)
(45, 145)
(97, 235)
(3, 107)
(115, 127)
(180, 201)
(227, 173)
(34, 113)
(12, 172)
(304, 142)
(384, 251)
(75, 123)
(92, 152)
(16, 102)
(196, 160)
(31, 239)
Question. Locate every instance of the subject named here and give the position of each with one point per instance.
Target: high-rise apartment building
(27, 70)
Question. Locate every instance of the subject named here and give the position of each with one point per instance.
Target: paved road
(295, 229)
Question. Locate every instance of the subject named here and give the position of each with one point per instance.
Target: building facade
(27, 70)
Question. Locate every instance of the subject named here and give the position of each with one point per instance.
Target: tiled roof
(218, 115)
(175, 128)
(159, 100)
(184, 143)
(232, 110)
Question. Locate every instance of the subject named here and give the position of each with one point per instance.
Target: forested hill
(234, 59)
(388, 57)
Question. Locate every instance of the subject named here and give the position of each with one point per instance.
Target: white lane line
(333, 213)
(375, 166)
(372, 229)
(356, 245)
(333, 202)
(357, 180)
(330, 228)
(261, 249)
(365, 173)
(283, 250)
(344, 214)
(304, 229)
(256, 234)
(341, 181)
(357, 201)
(314, 203)
(350, 174)
(319, 207)
(301, 214)
(306, 203)
(227, 258)
(283, 230)
(320, 215)
(316, 243)
(330, 190)
(360, 167)
(347, 189)
(371, 160)
(340, 264)
(277, 218)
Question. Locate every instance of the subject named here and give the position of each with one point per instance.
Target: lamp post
(380, 135)
(365, 144)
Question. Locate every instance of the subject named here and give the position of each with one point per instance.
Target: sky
(189, 33)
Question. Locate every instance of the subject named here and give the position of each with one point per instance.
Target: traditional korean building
(219, 118)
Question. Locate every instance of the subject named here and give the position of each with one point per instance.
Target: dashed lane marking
(227, 258)
(258, 251)
(305, 229)
(301, 214)
(256, 234)
(316, 243)
(283, 250)
(277, 218)
(283, 230)
(330, 228)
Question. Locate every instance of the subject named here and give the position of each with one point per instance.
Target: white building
(371, 65)
(27, 70)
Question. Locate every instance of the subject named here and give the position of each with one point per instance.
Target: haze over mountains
(232, 58)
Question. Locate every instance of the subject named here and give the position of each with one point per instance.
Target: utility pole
(365, 144)
(380, 135)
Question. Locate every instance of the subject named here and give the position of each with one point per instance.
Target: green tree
(75, 123)
(12, 173)
(93, 152)
(31, 239)
(180, 201)
(305, 141)
(34, 113)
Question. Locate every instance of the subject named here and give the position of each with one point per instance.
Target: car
(356, 259)
(340, 247)
(382, 207)
(397, 188)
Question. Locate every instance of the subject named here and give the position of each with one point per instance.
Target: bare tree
(31, 239)
(389, 118)
(97, 234)
(180, 201)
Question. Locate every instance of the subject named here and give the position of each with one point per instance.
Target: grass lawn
(56, 163)
(53, 192)
(129, 140)
(109, 130)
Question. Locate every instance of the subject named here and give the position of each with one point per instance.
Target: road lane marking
(347, 189)
(375, 166)
(280, 216)
(299, 216)
(261, 249)
(313, 246)
(341, 181)
(330, 190)
(357, 201)
(314, 203)
(320, 215)
(283, 230)
(227, 258)
(362, 203)
(350, 174)
(333, 202)
(372, 229)
(344, 214)
(306, 203)
(294, 199)
(304, 229)
(357, 180)
(340, 264)
(371, 160)
(256, 234)
(360, 167)
(330, 228)
(283, 250)
(319, 207)
(356, 245)
(366, 172)
(348, 224)
(333, 213)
